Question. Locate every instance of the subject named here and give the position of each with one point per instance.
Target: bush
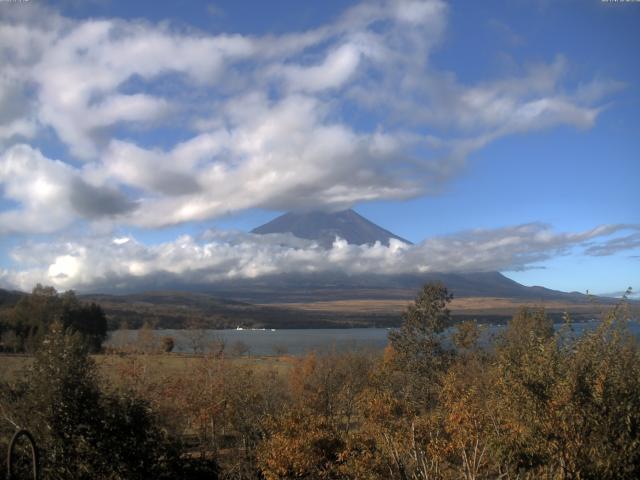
(83, 432)
(168, 343)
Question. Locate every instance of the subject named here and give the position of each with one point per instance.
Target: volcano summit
(324, 227)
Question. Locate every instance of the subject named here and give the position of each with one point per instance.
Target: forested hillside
(26, 319)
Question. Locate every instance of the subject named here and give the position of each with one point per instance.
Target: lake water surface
(296, 341)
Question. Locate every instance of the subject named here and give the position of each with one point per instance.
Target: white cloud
(50, 194)
(104, 262)
(271, 154)
(40, 187)
(65, 267)
(261, 121)
(333, 72)
(17, 128)
(79, 67)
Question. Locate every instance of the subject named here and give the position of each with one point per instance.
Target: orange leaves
(300, 447)
(389, 354)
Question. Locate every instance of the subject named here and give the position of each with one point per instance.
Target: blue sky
(139, 138)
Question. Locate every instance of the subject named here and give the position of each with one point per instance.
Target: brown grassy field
(468, 305)
(156, 364)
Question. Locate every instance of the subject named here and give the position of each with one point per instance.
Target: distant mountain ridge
(324, 227)
(328, 286)
(8, 298)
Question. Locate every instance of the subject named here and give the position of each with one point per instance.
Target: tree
(167, 344)
(147, 340)
(416, 346)
(312, 437)
(83, 432)
(239, 348)
(467, 417)
(569, 407)
(31, 317)
(87, 319)
(526, 328)
(466, 336)
(197, 336)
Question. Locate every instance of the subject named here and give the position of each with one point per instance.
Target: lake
(294, 341)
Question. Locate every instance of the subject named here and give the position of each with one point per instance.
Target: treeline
(23, 326)
(532, 403)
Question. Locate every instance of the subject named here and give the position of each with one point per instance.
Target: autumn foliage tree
(569, 406)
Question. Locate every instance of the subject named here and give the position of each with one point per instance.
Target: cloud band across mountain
(108, 264)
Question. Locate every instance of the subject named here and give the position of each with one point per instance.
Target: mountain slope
(9, 298)
(324, 227)
(331, 286)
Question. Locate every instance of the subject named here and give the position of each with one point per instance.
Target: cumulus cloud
(50, 194)
(275, 155)
(258, 121)
(122, 262)
(79, 76)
